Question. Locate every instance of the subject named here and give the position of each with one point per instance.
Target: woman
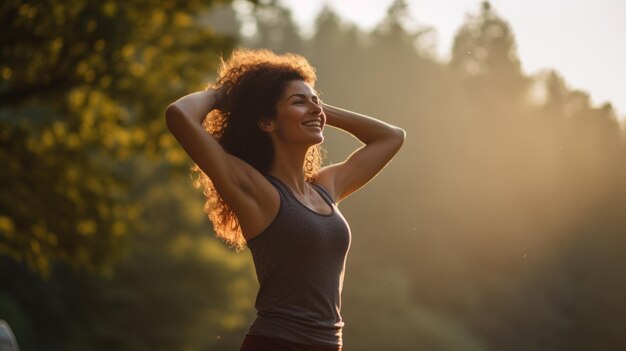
(257, 154)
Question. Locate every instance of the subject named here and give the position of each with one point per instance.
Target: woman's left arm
(382, 141)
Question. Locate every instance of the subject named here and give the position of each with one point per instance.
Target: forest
(499, 226)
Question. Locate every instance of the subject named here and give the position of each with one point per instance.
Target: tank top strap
(324, 193)
(278, 185)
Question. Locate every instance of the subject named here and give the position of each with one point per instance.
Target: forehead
(299, 87)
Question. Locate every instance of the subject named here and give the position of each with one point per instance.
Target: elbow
(399, 134)
(398, 138)
(393, 136)
(173, 113)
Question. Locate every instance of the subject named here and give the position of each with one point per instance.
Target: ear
(266, 124)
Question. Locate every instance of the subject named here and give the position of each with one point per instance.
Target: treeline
(499, 225)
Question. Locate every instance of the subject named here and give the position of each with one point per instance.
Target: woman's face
(299, 118)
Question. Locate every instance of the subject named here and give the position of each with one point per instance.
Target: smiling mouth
(315, 124)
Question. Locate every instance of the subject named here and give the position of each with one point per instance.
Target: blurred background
(499, 226)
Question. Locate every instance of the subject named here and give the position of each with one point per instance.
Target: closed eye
(302, 99)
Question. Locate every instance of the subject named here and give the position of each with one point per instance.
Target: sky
(581, 39)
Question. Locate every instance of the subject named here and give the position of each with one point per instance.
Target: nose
(316, 109)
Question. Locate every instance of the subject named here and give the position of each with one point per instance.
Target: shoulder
(326, 182)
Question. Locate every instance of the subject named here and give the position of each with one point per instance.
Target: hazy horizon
(551, 40)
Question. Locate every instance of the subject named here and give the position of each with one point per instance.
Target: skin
(253, 198)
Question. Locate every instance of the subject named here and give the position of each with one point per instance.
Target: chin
(319, 140)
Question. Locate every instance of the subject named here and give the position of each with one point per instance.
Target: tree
(276, 30)
(398, 33)
(83, 88)
(91, 171)
(484, 53)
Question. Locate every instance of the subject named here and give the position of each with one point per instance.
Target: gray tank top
(300, 259)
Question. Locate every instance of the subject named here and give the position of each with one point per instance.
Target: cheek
(293, 115)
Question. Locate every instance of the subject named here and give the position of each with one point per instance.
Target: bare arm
(241, 186)
(184, 120)
(382, 141)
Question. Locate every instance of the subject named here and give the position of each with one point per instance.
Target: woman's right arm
(241, 186)
(230, 175)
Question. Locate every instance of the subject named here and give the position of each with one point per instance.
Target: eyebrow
(301, 95)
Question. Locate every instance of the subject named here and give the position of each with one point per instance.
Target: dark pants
(263, 343)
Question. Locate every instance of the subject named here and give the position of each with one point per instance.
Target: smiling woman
(299, 113)
(250, 85)
(255, 137)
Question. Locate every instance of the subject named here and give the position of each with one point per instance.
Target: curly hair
(253, 81)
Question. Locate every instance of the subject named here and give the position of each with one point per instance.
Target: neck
(288, 167)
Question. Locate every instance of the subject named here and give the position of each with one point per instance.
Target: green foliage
(175, 287)
(93, 183)
(83, 87)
